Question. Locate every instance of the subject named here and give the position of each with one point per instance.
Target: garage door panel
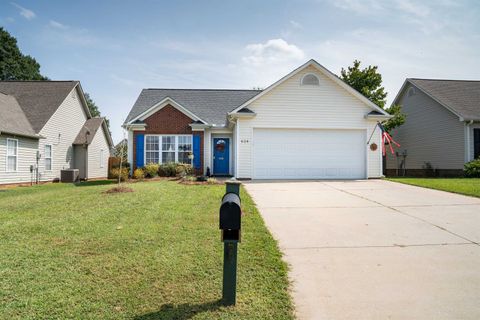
(309, 154)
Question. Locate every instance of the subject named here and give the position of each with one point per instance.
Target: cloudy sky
(116, 48)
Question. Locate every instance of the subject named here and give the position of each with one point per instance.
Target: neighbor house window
(310, 80)
(168, 148)
(48, 157)
(12, 154)
(102, 158)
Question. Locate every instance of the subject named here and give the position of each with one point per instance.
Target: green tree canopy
(13, 64)
(94, 111)
(368, 82)
(16, 66)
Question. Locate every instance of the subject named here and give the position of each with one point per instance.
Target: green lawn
(466, 186)
(73, 252)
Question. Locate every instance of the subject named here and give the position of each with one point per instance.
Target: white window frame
(160, 145)
(10, 155)
(45, 157)
(102, 158)
(145, 147)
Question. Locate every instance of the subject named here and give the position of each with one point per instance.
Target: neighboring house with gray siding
(442, 128)
(40, 128)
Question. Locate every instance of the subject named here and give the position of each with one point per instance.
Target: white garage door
(309, 154)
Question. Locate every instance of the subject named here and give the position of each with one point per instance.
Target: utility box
(69, 175)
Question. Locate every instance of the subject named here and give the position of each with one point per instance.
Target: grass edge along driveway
(465, 186)
(74, 252)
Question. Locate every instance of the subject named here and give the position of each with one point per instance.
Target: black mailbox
(230, 212)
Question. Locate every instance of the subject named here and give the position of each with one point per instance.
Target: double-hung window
(184, 149)
(168, 148)
(12, 154)
(48, 157)
(152, 146)
(102, 158)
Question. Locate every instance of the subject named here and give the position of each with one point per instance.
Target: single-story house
(442, 128)
(307, 125)
(45, 127)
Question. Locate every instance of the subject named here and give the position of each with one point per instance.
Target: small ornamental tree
(368, 82)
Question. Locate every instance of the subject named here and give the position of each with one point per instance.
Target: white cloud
(26, 13)
(57, 24)
(416, 9)
(273, 51)
(360, 6)
(295, 24)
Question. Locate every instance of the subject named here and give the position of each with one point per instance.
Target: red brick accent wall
(168, 120)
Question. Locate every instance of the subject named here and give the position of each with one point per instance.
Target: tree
(121, 150)
(92, 106)
(13, 64)
(397, 120)
(16, 66)
(368, 82)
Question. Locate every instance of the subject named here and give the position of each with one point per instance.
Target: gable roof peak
(330, 75)
(39, 99)
(461, 97)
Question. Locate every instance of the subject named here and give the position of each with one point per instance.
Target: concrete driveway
(375, 249)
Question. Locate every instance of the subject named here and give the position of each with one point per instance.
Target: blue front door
(221, 156)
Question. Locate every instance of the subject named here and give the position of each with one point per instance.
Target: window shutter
(140, 162)
(196, 152)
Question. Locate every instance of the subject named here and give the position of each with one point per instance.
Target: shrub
(167, 169)
(151, 170)
(190, 178)
(472, 169)
(115, 163)
(114, 173)
(138, 174)
(184, 169)
(212, 181)
(429, 169)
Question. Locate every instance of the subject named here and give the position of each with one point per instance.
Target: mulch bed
(121, 189)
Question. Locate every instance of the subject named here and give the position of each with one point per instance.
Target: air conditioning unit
(69, 175)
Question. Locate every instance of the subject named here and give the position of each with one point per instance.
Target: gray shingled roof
(38, 99)
(88, 131)
(461, 96)
(210, 105)
(12, 118)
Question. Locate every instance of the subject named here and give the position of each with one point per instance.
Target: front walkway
(375, 249)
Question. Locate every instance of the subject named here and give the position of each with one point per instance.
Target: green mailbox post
(230, 224)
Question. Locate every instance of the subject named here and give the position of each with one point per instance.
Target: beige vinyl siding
(291, 105)
(27, 150)
(66, 122)
(96, 167)
(431, 133)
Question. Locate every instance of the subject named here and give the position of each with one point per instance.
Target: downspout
(86, 154)
(467, 132)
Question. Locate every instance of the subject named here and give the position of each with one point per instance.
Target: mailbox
(230, 217)
(230, 212)
(230, 224)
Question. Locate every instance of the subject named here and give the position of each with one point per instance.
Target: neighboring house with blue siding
(46, 126)
(442, 128)
(307, 125)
